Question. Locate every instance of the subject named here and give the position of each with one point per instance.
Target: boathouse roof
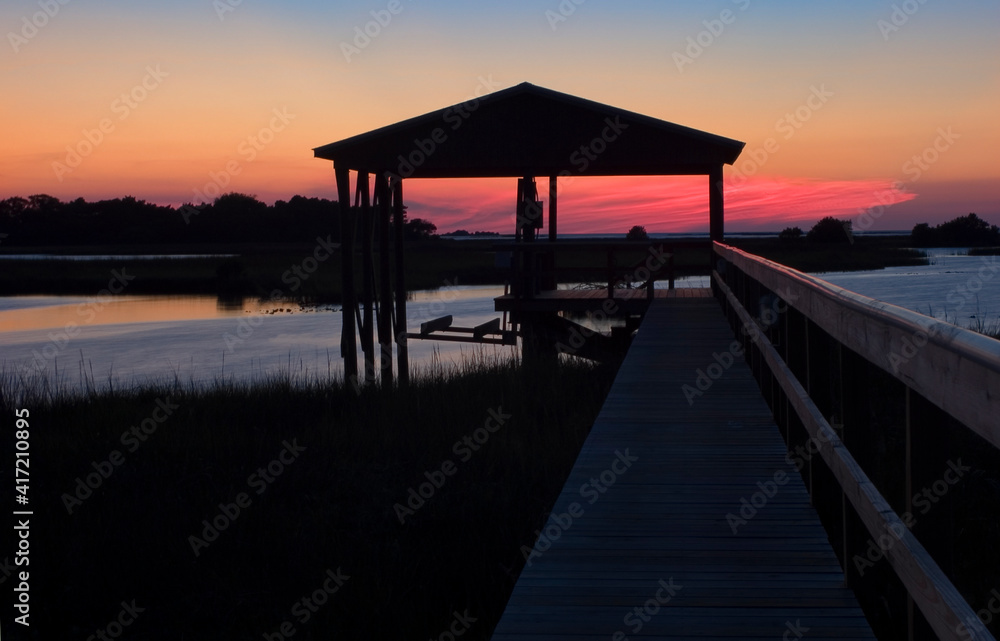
(528, 130)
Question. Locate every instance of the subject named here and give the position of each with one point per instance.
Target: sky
(881, 112)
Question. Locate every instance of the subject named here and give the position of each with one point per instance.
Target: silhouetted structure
(521, 132)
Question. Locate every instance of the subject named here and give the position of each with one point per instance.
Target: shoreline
(260, 270)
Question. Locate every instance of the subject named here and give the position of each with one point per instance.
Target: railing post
(808, 385)
(908, 481)
(611, 273)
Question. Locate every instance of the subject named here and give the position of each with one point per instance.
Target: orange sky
(190, 99)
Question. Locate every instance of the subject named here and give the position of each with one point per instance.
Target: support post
(553, 206)
(715, 204)
(348, 341)
(385, 278)
(368, 276)
(401, 349)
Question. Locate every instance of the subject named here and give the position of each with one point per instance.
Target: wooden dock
(581, 300)
(640, 543)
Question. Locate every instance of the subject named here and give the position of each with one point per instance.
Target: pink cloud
(661, 204)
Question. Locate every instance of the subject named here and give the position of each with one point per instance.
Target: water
(201, 339)
(961, 289)
(84, 257)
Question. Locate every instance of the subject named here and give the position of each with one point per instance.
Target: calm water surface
(200, 339)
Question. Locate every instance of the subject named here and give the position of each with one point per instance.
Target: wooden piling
(348, 342)
(401, 349)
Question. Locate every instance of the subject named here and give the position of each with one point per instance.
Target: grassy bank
(293, 271)
(307, 271)
(863, 254)
(319, 471)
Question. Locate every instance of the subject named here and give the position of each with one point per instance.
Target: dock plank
(639, 542)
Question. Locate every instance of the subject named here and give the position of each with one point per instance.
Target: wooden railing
(539, 266)
(876, 401)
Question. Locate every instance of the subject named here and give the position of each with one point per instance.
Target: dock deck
(640, 543)
(587, 299)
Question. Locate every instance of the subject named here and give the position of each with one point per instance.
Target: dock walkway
(681, 518)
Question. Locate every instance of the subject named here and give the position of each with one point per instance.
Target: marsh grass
(333, 507)
(863, 254)
(979, 321)
(259, 270)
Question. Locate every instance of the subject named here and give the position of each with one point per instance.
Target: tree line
(240, 218)
(231, 218)
(963, 231)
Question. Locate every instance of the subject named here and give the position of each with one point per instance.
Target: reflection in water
(202, 339)
(205, 339)
(230, 302)
(73, 312)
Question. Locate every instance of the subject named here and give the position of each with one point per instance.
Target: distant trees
(419, 229)
(790, 234)
(465, 232)
(637, 232)
(234, 217)
(964, 231)
(231, 218)
(830, 230)
(239, 205)
(44, 220)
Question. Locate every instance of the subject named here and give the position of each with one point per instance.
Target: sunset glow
(839, 112)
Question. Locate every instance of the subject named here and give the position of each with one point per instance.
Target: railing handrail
(969, 381)
(542, 245)
(943, 606)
